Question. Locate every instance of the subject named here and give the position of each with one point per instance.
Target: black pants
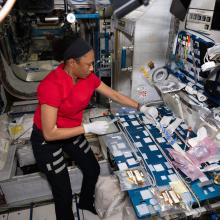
(50, 160)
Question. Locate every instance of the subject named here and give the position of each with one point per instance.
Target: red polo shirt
(58, 90)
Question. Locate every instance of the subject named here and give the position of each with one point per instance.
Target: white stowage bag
(109, 199)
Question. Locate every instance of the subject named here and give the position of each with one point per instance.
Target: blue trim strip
(87, 16)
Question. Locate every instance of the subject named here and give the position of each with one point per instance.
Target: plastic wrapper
(215, 157)
(189, 170)
(107, 204)
(178, 157)
(132, 178)
(169, 86)
(202, 151)
(170, 202)
(185, 165)
(21, 128)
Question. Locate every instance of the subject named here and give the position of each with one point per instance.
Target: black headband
(77, 48)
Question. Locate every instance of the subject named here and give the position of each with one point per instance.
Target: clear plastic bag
(202, 151)
(132, 178)
(189, 170)
(170, 202)
(106, 203)
(185, 165)
(178, 157)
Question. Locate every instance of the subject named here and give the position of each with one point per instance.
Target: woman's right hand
(96, 127)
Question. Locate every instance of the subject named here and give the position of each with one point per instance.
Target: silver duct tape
(159, 75)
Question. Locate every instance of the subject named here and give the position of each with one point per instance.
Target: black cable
(65, 7)
(2, 196)
(77, 209)
(146, 2)
(31, 211)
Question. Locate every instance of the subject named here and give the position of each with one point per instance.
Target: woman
(63, 95)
